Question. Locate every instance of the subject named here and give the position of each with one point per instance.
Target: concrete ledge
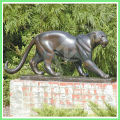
(63, 92)
(68, 79)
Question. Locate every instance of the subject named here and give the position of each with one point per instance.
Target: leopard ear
(97, 33)
(93, 35)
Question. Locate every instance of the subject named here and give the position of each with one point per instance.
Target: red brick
(76, 96)
(104, 85)
(95, 91)
(30, 88)
(97, 97)
(30, 94)
(103, 97)
(83, 102)
(114, 85)
(11, 94)
(68, 102)
(92, 84)
(62, 102)
(88, 92)
(52, 101)
(39, 83)
(24, 88)
(51, 83)
(86, 97)
(45, 95)
(66, 91)
(45, 101)
(99, 84)
(62, 84)
(89, 96)
(52, 90)
(78, 91)
(69, 83)
(32, 105)
(25, 94)
(76, 84)
(82, 97)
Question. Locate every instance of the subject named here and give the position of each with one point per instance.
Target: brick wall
(28, 94)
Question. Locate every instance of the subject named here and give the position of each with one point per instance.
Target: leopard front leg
(92, 67)
(79, 68)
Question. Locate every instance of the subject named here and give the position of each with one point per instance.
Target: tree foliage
(21, 22)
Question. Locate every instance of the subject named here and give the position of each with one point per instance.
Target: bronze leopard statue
(76, 49)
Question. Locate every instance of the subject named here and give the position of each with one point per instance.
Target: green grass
(110, 111)
(48, 110)
(98, 111)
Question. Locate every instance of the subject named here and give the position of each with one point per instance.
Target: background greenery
(21, 22)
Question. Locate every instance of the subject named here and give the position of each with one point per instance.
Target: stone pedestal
(30, 92)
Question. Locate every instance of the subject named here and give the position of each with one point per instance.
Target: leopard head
(101, 39)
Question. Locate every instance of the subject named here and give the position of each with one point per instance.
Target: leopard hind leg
(34, 62)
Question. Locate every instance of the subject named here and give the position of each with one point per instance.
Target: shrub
(110, 111)
(52, 111)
